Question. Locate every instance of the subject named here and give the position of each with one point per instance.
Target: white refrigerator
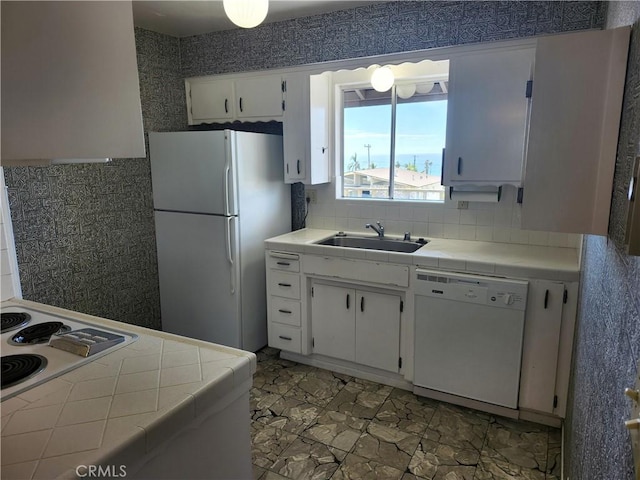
(217, 195)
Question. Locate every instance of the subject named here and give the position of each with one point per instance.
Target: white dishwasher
(468, 335)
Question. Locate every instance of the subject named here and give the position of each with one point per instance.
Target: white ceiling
(182, 18)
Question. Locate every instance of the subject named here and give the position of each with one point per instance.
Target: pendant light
(382, 79)
(246, 13)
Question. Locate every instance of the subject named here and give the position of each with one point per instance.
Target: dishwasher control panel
(497, 292)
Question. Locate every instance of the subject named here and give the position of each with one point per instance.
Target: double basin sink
(373, 243)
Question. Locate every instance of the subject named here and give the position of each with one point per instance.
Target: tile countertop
(488, 258)
(121, 405)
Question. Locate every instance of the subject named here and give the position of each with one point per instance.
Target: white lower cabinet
(284, 309)
(356, 325)
(548, 341)
(284, 337)
(333, 321)
(378, 330)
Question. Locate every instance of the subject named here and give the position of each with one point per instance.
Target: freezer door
(193, 172)
(198, 271)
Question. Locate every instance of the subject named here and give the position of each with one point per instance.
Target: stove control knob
(508, 299)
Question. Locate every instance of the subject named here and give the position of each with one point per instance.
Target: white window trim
(337, 105)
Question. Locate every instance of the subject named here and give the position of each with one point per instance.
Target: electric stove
(38, 346)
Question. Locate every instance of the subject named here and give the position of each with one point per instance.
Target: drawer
(360, 270)
(283, 261)
(285, 311)
(285, 337)
(284, 284)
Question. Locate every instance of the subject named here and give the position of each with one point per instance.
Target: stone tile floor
(309, 423)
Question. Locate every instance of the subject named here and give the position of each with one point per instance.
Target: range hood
(70, 86)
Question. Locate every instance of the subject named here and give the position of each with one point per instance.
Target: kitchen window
(392, 141)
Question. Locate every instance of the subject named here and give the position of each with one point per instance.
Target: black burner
(13, 320)
(17, 368)
(38, 333)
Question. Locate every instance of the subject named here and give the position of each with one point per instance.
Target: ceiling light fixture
(246, 13)
(382, 79)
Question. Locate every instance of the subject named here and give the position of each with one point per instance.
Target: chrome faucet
(379, 229)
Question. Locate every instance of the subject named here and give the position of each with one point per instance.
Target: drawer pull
(546, 299)
(285, 338)
(285, 264)
(289, 312)
(285, 285)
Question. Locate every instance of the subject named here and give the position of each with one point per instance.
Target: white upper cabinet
(259, 97)
(225, 99)
(575, 118)
(487, 116)
(210, 100)
(70, 85)
(305, 128)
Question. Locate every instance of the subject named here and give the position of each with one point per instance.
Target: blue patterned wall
(380, 29)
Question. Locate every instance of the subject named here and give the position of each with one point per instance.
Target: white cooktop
(57, 361)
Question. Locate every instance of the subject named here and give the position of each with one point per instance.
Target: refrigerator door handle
(227, 170)
(230, 255)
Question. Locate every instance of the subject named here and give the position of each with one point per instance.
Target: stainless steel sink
(373, 243)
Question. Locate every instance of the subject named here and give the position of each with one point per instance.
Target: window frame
(339, 108)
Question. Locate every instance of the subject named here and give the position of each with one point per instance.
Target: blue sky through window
(420, 132)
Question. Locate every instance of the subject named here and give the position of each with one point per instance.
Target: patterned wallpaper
(607, 343)
(380, 29)
(85, 234)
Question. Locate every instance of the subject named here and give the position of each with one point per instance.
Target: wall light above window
(382, 79)
(246, 13)
(406, 91)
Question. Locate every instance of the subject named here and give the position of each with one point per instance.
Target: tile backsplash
(497, 222)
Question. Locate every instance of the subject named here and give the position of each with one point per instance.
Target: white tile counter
(119, 407)
(502, 259)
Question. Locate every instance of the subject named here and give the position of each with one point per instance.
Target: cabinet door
(70, 86)
(259, 97)
(486, 117)
(210, 101)
(333, 321)
(378, 330)
(295, 127)
(542, 324)
(319, 128)
(575, 117)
